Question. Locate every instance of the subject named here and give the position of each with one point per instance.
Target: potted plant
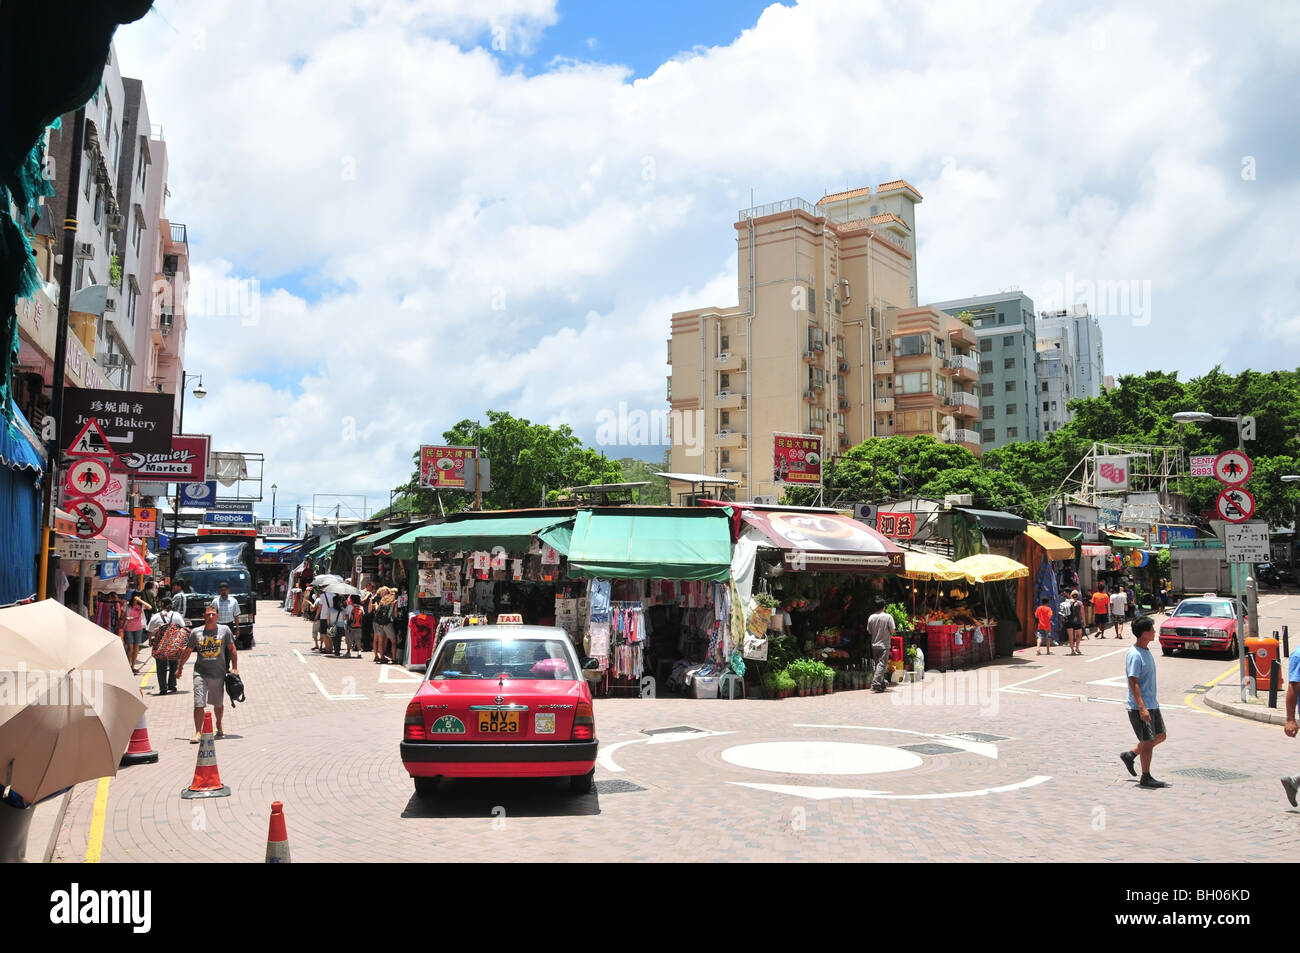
(769, 685)
(784, 684)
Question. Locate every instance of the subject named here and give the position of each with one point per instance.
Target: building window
(941, 387)
(988, 436)
(726, 343)
(1008, 340)
(915, 383)
(986, 344)
(909, 344)
(1002, 318)
(1013, 433)
(724, 381)
(726, 456)
(986, 390)
(1010, 386)
(986, 367)
(724, 418)
(1044, 387)
(812, 300)
(1044, 406)
(1011, 410)
(987, 412)
(1053, 405)
(938, 347)
(1008, 363)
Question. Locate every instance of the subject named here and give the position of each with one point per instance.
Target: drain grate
(675, 730)
(931, 748)
(617, 787)
(1211, 774)
(978, 736)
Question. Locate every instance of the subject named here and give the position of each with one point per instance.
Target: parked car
(501, 701)
(1275, 575)
(1205, 623)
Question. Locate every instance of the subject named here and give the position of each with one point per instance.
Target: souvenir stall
(1119, 565)
(657, 601)
(1045, 555)
(961, 630)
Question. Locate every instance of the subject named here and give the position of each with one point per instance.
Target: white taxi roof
(507, 632)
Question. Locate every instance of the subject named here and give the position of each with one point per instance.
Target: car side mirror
(591, 665)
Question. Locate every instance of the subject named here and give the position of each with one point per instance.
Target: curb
(1271, 716)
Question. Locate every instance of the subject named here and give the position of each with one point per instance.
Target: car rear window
(545, 659)
(1205, 610)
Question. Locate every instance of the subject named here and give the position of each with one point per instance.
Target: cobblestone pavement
(1013, 762)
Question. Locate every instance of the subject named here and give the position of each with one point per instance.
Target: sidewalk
(1226, 698)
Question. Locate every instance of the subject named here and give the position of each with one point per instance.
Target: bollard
(1274, 675)
(1286, 643)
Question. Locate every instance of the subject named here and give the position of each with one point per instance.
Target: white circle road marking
(823, 794)
(821, 757)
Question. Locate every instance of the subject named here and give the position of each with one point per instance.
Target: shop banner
(815, 540)
(443, 468)
(185, 462)
(1112, 473)
(797, 459)
(1203, 465)
(132, 422)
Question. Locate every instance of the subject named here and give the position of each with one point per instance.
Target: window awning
(995, 521)
(641, 545)
(379, 542)
(1071, 534)
(1053, 545)
(826, 541)
(1122, 540)
(512, 533)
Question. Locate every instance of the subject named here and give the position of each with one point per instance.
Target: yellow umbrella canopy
(922, 565)
(70, 702)
(987, 567)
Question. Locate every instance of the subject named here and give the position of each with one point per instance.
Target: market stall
(962, 631)
(1046, 555)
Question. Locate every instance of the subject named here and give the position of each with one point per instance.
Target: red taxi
(1204, 623)
(501, 701)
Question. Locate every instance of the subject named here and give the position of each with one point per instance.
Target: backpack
(384, 614)
(171, 643)
(1063, 610)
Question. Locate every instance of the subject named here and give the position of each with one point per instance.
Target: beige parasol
(68, 700)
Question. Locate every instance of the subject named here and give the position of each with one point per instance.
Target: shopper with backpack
(385, 603)
(167, 638)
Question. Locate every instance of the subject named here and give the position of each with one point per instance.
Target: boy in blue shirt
(1290, 785)
(1143, 708)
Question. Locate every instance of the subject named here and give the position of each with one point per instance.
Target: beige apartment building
(827, 296)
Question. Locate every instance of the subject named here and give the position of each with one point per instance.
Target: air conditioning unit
(165, 320)
(110, 304)
(116, 222)
(959, 499)
(165, 331)
(724, 470)
(85, 250)
(724, 355)
(844, 290)
(725, 393)
(112, 360)
(724, 433)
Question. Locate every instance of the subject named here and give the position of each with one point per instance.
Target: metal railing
(963, 399)
(960, 361)
(962, 436)
(179, 236)
(786, 205)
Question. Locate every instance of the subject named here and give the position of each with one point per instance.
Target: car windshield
(544, 659)
(1206, 610)
(207, 582)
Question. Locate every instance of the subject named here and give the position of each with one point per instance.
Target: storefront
(1048, 558)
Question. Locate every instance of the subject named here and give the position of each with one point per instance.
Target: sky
(404, 214)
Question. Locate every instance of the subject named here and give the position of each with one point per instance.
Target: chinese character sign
(443, 468)
(797, 459)
(897, 525)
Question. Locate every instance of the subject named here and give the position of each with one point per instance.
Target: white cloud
(435, 232)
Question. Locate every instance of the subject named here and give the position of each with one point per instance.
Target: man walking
(183, 594)
(1143, 708)
(227, 607)
(880, 626)
(1118, 605)
(166, 629)
(1100, 609)
(215, 644)
(1292, 785)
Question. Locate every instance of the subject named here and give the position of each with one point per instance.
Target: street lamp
(1201, 417)
(200, 392)
(273, 489)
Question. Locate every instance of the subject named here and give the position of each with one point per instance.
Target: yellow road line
(95, 843)
(1189, 700)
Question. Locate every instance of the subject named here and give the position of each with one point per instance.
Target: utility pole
(55, 448)
(478, 450)
(296, 509)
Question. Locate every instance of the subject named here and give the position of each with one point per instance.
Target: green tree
(870, 472)
(989, 489)
(640, 471)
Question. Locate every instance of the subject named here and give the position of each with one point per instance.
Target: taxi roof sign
(512, 618)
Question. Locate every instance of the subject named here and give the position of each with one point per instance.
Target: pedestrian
(167, 638)
(368, 605)
(151, 603)
(216, 647)
(1131, 603)
(354, 619)
(322, 607)
(1075, 622)
(385, 633)
(338, 617)
(1100, 609)
(1143, 706)
(1292, 784)
(227, 607)
(133, 628)
(880, 626)
(1118, 606)
(183, 591)
(1043, 614)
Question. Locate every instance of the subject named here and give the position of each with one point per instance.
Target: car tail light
(584, 723)
(413, 729)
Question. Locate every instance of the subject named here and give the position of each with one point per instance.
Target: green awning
(512, 533)
(1071, 534)
(368, 544)
(1120, 540)
(559, 538)
(651, 545)
(995, 522)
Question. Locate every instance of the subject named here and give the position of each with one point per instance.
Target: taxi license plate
(498, 722)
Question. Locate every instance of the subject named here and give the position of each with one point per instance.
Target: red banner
(186, 462)
(443, 468)
(797, 459)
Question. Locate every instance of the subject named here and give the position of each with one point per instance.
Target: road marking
(823, 794)
(300, 658)
(1028, 680)
(386, 673)
(1098, 658)
(1191, 701)
(900, 731)
(606, 761)
(95, 843)
(974, 747)
(1115, 681)
(333, 698)
(1056, 695)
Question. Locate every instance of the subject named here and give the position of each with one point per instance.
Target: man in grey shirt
(880, 626)
(212, 642)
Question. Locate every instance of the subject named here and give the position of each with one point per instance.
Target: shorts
(1044, 633)
(1116, 618)
(386, 630)
(1147, 731)
(209, 690)
(133, 636)
(323, 627)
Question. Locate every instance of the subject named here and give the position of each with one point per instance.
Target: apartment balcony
(884, 430)
(842, 366)
(883, 405)
(963, 404)
(843, 402)
(812, 357)
(883, 365)
(965, 334)
(962, 436)
(844, 441)
(730, 400)
(964, 366)
(816, 428)
(730, 440)
(811, 396)
(818, 386)
(730, 361)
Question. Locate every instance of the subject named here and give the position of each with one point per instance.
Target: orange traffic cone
(139, 751)
(207, 779)
(277, 839)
